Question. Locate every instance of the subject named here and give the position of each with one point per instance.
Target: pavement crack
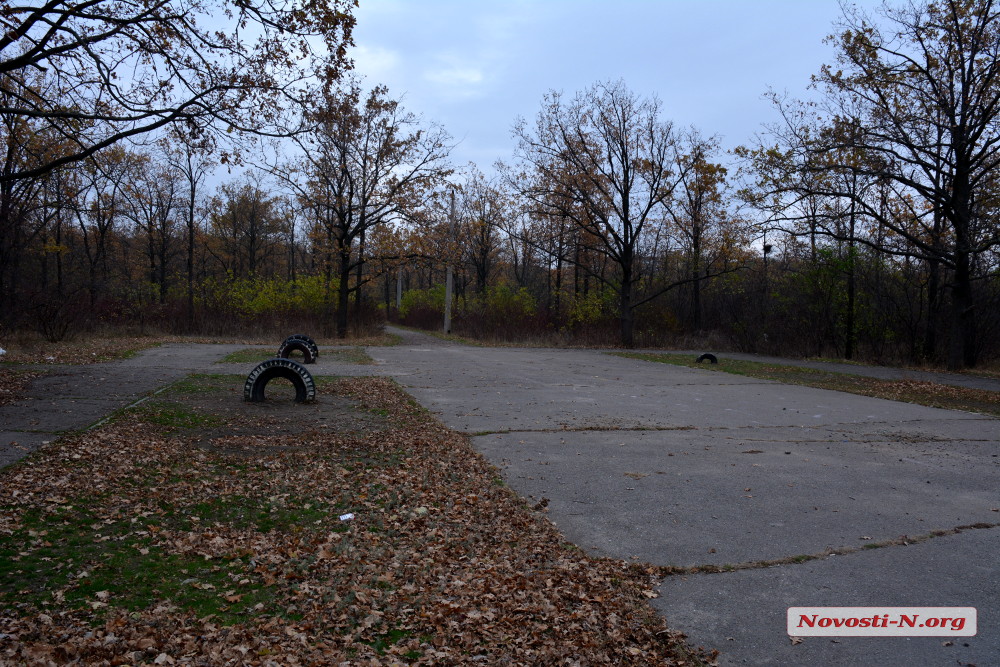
(901, 541)
(578, 429)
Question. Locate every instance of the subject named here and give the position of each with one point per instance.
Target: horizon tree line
(863, 223)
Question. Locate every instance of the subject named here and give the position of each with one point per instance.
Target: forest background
(862, 224)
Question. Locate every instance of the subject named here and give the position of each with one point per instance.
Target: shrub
(423, 309)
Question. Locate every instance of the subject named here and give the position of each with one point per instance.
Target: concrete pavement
(686, 467)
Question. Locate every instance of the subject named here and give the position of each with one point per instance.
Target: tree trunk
(190, 258)
(962, 346)
(625, 305)
(343, 292)
(929, 345)
(359, 273)
(696, 277)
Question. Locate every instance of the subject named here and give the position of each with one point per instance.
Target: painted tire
(708, 357)
(302, 380)
(295, 342)
(289, 346)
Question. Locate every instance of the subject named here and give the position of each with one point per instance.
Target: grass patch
(931, 394)
(68, 558)
(199, 384)
(175, 416)
(253, 355)
(250, 355)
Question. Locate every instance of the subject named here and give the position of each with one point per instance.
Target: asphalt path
(687, 467)
(68, 399)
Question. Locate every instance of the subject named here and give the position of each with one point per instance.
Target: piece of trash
(2, 351)
(346, 517)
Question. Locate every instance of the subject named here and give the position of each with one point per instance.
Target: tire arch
(264, 372)
(309, 352)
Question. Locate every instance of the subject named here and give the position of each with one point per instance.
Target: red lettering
(807, 621)
(908, 621)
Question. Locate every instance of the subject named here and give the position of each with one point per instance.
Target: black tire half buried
(708, 357)
(300, 343)
(302, 380)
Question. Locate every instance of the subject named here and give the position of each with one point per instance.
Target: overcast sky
(474, 66)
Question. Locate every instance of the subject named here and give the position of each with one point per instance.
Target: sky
(475, 66)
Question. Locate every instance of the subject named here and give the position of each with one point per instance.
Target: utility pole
(399, 289)
(449, 280)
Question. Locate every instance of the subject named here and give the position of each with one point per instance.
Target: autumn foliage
(863, 224)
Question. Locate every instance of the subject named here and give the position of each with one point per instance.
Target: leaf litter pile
(196, 529)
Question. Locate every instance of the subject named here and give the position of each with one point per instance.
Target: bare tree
(485, 208)
(246, 220)
(191, 159)
(366, 163)
(699, 212)
(154, 200)
(915, 108)
(606, 162)
(102, 207)
(114, 69)
(24, 215)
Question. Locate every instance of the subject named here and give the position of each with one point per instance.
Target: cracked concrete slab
(743, 613)
(686, 467)
(688, 498)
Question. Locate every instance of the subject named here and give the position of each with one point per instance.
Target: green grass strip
(920, 392)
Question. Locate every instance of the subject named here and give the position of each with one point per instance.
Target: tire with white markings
(264, 372)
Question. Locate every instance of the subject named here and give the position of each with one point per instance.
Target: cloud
(455, 75)
(375, 62)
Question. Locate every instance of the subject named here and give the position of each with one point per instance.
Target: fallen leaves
(13, 384)
(84, 350)
(438, 565)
